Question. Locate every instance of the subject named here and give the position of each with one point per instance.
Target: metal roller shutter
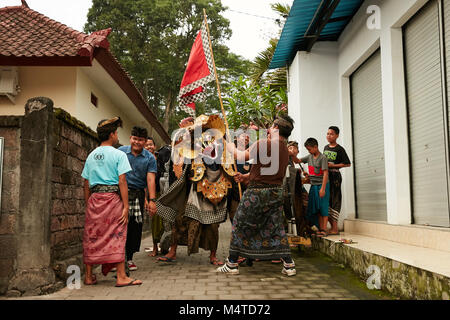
(368, 144)
(426, 118)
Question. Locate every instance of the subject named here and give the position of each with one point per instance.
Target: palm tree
(260, 73)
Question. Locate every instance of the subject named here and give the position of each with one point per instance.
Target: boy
(319, 194)
(337, 159)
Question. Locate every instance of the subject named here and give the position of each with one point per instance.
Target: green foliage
(152, 39)
(260, 73)
(247, 103)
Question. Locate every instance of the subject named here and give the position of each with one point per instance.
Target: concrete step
(406, 271)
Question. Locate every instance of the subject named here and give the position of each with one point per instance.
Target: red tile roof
(27, 33)
(30, 38)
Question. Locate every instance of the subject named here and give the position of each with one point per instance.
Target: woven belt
(263, 186)
(100, 188)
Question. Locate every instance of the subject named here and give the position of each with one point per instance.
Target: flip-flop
(216, 262)
(166, 259)
(322, 234)
(276, 261)
(131, 283)
(241, 259)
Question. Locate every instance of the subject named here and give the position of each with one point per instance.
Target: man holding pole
(262, 202)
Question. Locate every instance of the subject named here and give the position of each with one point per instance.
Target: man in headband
(262, 203)
(142, 177)
(106, 197)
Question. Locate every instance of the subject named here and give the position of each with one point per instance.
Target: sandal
(166, 259)
(216, 262)
(240, 260)
(131, 283)
(276, 261)
(321, 234)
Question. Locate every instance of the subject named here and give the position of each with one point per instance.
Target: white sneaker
(289, 272)
(228, 267)
(289, 269)
(131, 266)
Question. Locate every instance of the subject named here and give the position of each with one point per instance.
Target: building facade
(384, 82)
(42, 57)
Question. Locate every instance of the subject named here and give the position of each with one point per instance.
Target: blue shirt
(141, 165)
(104, 165)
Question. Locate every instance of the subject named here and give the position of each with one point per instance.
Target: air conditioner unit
(9, 82)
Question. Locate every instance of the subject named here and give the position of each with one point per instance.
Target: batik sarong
(335, 195)
(191, 233)
(104, 238)
(258, 230)
(317, 205)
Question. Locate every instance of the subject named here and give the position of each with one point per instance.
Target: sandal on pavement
(93, 279)
(276, 261)
(321, 234)
(216, 262)
(166, 259)
(131, 283)
(241, 259)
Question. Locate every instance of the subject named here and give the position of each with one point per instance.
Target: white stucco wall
(320, 85)
(106, 109)
(56, 83)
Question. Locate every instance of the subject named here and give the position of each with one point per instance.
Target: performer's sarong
(191, 233)
(317, 205)
(335, 195)
(258, 230)
(157, 228)
(104, 238)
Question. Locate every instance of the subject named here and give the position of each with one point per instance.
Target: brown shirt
(277, 172)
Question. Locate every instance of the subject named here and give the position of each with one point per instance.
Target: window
(94, 100)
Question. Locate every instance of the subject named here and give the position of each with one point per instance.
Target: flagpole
(220, 96)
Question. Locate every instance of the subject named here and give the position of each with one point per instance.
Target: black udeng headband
(283, 123)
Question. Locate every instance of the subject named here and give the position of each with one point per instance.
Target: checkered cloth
(187, 97)
(135, 210)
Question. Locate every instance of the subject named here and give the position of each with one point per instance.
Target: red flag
(199, 72)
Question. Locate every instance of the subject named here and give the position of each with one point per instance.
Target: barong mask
(200, 139)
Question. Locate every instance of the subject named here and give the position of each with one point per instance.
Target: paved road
(193, 278)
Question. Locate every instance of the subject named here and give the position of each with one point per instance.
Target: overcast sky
(250, 34)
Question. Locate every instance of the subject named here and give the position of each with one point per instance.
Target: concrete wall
(10, 131)
(320, 84)
(42, 212)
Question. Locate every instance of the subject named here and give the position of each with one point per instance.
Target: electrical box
(9, 82)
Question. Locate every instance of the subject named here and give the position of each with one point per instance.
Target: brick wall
(73, 142)
(42, 209)
(10, 131)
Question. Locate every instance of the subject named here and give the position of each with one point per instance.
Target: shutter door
(426, 118)
(368, 133)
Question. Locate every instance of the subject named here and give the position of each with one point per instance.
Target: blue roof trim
(302, 13)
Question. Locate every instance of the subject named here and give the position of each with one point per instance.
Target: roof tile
(25, 32)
